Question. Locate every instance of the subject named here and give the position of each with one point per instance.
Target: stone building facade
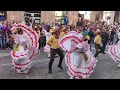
(15, 16)
(49, 16)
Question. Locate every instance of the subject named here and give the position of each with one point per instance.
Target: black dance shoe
(50, 71)
(60, 67)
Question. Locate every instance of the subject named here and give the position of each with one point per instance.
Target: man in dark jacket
(112, 34)
(42, 40)
(91, 34)
(105, 39)
(79, 23)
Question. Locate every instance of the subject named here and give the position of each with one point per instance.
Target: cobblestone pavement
(106, 68)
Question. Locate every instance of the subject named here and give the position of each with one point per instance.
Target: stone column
(42, 16)
(15, 16)
(73, 17)
(119, 17)
(48, 16)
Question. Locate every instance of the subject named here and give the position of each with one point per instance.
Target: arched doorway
(116, 17)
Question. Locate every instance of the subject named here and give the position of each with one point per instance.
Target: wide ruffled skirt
(22, 62)
(114, 53)
(78, 67)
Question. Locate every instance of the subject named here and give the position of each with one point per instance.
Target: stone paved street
(106, 68)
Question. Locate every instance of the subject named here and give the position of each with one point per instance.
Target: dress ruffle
(22, 59)
(77, 66)
(114, 52)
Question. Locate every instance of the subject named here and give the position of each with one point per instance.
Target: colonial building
(16, 16)
(51, 16)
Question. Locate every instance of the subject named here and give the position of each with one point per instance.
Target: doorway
(116, 17)
(97, 17)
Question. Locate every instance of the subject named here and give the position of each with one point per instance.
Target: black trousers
(90, 42)
(52, 56)
(111, 40)
(104, 45)
(8, 45)
(97, 47)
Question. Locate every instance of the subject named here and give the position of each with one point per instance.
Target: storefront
(3, 15)
(85, 14)
(33, 16)
(108, 16)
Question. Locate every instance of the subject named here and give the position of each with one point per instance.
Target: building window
(33, 11)
(37, 15)
(86, 14)
(107, 11)
(59, 13)
(28, 15)
(33, 16)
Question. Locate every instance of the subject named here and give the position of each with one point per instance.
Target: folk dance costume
(79, 59)
(25, 47)
(53, 42)
(114, 51)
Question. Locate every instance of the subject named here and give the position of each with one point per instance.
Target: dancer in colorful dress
(25, 47)
(114, 51)
(79, 59)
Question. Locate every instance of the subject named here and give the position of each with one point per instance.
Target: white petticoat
(21, 58)
(47, 48)
(77, 67)
(114, 52)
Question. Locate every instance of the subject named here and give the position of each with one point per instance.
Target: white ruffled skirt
(77, 67)
(22, 62)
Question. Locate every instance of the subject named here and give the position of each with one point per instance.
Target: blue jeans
(2, 42)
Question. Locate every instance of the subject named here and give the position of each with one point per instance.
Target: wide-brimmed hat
(54, 29)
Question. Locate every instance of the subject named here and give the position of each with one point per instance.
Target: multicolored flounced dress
(79, 59)
(21, 58)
